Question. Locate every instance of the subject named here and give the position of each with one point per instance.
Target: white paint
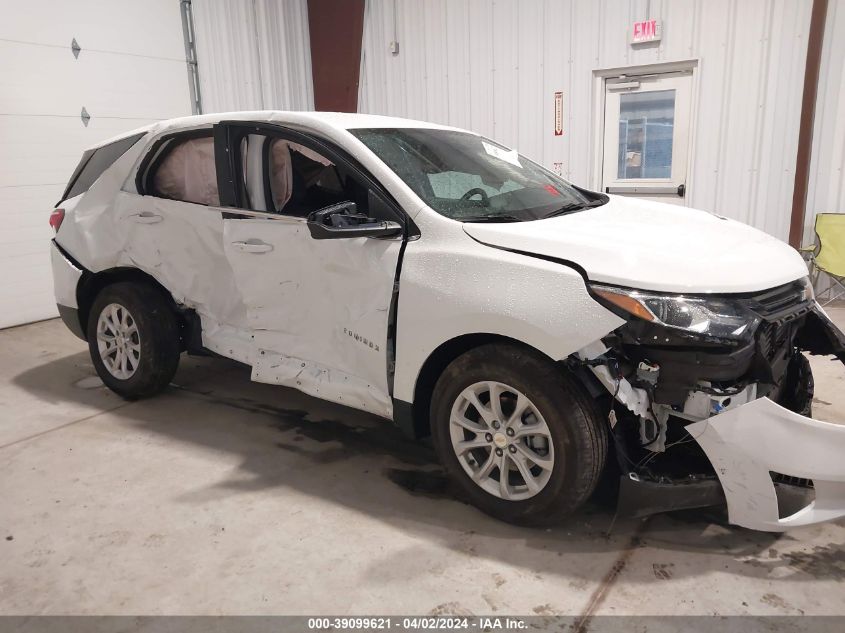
(317, 308)
(654, 246)
(67, 277)
(253, 54)
(313, 314)
(131, 71)
(491, 66)
(452, 285)
(748, 442)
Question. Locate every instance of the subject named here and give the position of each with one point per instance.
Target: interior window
(187, 172)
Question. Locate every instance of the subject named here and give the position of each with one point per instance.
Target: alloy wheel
(501, 440)
(118, 341)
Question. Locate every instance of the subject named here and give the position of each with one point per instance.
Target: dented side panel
(316, 310)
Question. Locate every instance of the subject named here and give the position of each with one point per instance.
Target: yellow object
(830, 229)
(828, 254)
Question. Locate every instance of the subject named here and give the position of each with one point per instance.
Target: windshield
(470, 178)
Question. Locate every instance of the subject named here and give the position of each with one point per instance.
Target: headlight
(710, 316)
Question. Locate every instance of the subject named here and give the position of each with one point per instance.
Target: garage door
(129, 71)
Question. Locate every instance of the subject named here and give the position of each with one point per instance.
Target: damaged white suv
(540, 332)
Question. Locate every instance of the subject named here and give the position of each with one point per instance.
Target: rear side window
(186, 172)
(94, 162)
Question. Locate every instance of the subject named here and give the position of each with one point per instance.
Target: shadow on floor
(285, 439)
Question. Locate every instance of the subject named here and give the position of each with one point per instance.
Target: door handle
(146, 217)
(253, 246)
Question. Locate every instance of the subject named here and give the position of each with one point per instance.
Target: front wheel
(133, 338)
(522, 439)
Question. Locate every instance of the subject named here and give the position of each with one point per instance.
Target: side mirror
(341, 221)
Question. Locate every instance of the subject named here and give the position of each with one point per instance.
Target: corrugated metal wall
(494, 65)
(253, 54)
(826, 192)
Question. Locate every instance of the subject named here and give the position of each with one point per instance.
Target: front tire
(503, 408)
(133, 338)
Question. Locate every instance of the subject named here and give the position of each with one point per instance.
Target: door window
(281, 176)
(186, 171)
(303, 181)
(646, 123)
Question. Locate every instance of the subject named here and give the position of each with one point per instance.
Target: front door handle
(252, 246)
(146, 218)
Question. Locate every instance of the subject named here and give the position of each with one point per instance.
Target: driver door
(318, 310)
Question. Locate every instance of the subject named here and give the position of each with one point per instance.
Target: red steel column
(336, 28)
(805, 129)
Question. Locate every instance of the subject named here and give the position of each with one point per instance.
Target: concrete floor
(222, 496)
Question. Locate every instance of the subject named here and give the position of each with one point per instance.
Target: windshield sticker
(552, 190)
(502, 154)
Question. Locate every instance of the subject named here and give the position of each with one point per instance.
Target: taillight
(56, 218)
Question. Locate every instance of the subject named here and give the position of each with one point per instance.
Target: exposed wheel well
(437, 362)
(92, 283)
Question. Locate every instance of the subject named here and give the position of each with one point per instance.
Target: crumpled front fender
(749, 442)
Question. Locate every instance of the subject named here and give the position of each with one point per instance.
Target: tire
(153, 343)
(576, 439)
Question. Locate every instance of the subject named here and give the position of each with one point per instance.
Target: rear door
(174, 231)
(318, 311)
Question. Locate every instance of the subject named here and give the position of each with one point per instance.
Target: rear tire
(549, 424)
(133, 338)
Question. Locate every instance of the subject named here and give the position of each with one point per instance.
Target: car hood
(654, 246)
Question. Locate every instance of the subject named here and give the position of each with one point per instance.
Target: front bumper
(750, 442)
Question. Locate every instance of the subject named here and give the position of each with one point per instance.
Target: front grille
(771, 338)
(783, 303)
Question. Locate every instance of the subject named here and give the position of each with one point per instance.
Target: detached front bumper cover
(749, 442)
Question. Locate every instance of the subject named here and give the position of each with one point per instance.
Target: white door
(317, 310)
(647, 135)
(129, 71)
(174, 232)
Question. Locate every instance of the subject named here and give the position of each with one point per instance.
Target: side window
(94, 163)
(302, 181)
(185, 171)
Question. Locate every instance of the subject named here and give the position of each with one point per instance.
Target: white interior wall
(253, 55)
(826, 191)
(131, 71)
(493, 66)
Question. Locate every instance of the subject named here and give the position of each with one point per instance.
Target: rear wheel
(521, 438)
(133, 338)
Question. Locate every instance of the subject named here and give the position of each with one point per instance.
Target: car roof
(335, 120)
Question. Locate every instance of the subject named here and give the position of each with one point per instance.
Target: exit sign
(646, 31)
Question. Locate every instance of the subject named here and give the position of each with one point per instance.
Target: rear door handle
(252, 246)
(146, 217)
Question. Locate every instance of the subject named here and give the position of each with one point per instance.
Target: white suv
(543, 334)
